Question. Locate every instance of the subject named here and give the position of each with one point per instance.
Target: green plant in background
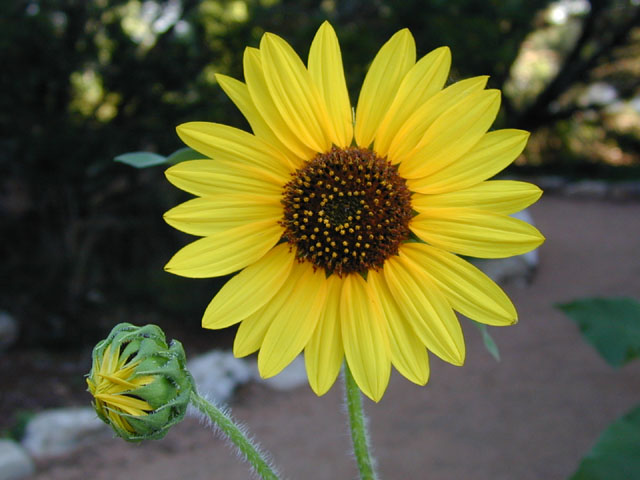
(149, 159)
(17, 429)
(612, 327)
(87, 80)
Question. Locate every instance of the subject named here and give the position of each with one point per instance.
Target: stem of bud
(245, 446)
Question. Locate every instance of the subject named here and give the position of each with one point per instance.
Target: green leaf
(616, 454)
(183, 155)
(489, 343)
(141, 159)
(611, 325)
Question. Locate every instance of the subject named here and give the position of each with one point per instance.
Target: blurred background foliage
(82, 81)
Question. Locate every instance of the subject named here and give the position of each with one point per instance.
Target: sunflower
(346, 231)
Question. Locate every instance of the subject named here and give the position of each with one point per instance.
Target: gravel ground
(530, 416)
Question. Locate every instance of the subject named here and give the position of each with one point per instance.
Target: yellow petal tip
(180, 129)
(376, 397)
(319, 391)
(268, 38)
(219, 77)
(458, 362)
(207, 324)
(265, 374)
(444, 51)
(493, 93)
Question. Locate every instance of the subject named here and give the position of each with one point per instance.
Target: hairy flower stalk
(247, 449)
(358, 428)
(141, 387)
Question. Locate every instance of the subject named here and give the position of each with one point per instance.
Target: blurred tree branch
(594, 45)
(76, 226)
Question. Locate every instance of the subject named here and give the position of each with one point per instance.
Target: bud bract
(140, 385)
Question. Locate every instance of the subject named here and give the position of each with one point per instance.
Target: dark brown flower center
(346, 211)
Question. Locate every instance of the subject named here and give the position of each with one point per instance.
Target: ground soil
(531, 416)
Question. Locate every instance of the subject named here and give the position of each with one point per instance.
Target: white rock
(14, 461)
(293, 376)
(593, 189)
(550, 183)
(530, 258)
(218, 373)
(58, 431)
(503, 271)
(629, 190)
(8, 330)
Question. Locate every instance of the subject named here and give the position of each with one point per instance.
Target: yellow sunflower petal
(253, 329)
(425, 308)
(250, 289)
(499, 196)
(491, 154)
(250, 334)
(292, 328)
(324, 352)
(225, 252)
(381, 83)
(109, 360)
(389, 314)
(412, 131)
(222, 142)
(131, 405)
(117, 384)
(294, 93)
(408, 353)
(423, 81)
(366, 342)
(468, 290)
(209, 215)
(214, 177)
(452, 134)
(116, 419)
(265, 104)
(476, 233)
(239, 95)
(325, 67)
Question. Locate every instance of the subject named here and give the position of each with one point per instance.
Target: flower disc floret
(346, 211)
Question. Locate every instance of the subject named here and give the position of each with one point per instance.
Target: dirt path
(531, 416)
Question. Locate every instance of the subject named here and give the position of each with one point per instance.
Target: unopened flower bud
(140, 384)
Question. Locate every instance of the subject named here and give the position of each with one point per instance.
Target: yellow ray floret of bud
(115, 379)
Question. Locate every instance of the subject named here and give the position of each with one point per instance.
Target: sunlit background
(81, 81)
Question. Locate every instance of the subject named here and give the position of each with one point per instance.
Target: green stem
(223, 422)
(358, 426)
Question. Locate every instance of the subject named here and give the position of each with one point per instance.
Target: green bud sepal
(140, 385)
